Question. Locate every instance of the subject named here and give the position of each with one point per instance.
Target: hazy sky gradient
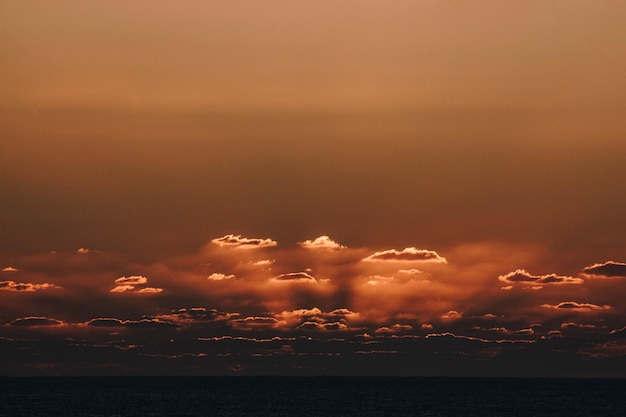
(490, 132)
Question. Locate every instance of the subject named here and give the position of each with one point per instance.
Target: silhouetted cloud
(323, 326)
(396, 328)
(196, 315)
(409, 254)
(237, 241)
(316, 319)
(150, 323)
(577, 325)
(26, 287)
(522, 276)
(295, 277)
(574, 306)
(322, 242)
(254, 322)
(105, 322)
(36, 322)
(609, 269)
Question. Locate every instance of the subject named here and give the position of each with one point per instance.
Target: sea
(310, 396)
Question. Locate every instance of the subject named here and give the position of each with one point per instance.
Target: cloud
(196, 315)
(295, 277)
(216, 276)
(406, 255)
(132, 280)
(149, 290)
(314, 325)
(85, 251)
(36, 322)
(10, 269)
(609, 269)
(577, 325)
(321, 242)
(123, 288)
(151, 322)
(105, 322)
(396, 328)
(574, 306)
(129, 285)
(521, 275)
(316, 319)
(254, 322)
(25, 287)
(237, 241)
(452, 315)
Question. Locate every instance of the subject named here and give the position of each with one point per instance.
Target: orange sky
(481, 143)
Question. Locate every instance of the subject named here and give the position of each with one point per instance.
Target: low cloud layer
(312, 299)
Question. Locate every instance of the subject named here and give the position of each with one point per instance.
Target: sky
(313, 188)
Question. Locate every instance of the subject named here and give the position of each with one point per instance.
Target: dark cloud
(571, 325)
(609, 269)
(254, 322)
(409, 254)
(295, 277)
(396, 328)
(574, 306)
(314, 325)
(150, 323)
(237, 241)
(105, 322)
(26, 287)
(196, 315)
(523, 276)
(36, 322)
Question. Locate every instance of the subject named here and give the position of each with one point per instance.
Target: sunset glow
(313, 188)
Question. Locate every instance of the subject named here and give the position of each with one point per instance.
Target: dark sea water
(314, 396)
